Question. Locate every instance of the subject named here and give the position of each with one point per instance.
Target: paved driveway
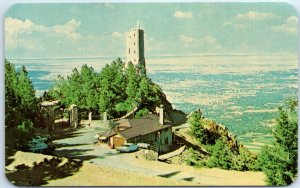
(83, 145)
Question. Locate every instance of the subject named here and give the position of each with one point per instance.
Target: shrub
(221, 155)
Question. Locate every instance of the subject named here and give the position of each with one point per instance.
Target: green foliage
(23, 133)
(224, 154)
(142, 112)
(279, 162)
(112, 88)
(193, 158)
(20, 107)
(26, 93)
(244, 161)
(133, 85)
(78, 88)
(116, 89)
(197, 129)
(221, 155)
(20, 100)
(276, 165)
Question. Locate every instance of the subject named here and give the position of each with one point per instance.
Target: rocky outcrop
(218, 131)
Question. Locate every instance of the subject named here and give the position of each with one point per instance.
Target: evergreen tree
(11, 97)
(197, 129)
(221, 155)
(88, 91)
(244, 160)
(132, 89)
(106, 95)
(20, 107)
(116, 89)
(26, 94)
(79, 88)
(279, 162)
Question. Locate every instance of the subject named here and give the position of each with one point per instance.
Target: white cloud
(251, 15)
(14, 28)
(185, 38)
(246, 20)
(183, 15)
(68, 29)
(290, 26)
(26, 34)
(117, 34)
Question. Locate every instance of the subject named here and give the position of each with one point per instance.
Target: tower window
(129, 50)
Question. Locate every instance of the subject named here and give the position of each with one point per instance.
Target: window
(129, 50)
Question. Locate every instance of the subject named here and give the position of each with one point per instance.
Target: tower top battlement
(135, 46)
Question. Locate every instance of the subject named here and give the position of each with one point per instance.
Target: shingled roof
(143, 126)
(108, 133)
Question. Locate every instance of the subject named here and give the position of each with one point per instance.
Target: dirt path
(95, 175)
(99, 175)
(87, 174)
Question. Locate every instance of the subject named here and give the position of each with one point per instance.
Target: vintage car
(143, 145)
(128, 147)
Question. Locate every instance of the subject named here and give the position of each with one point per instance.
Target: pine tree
(11, 97)
(132, 89)
(197, 129)
(221, 155)
(279, 162)
(26, 94)
(20, 107)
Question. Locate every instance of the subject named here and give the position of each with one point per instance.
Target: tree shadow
(40, 173)
(107, 154)
(168, 175)
(65, 133)
(75, 154)
(188, 179)
(9, 153)
(62, 145)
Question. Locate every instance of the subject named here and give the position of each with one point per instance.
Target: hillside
(211, 145)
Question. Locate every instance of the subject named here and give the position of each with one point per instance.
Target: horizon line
(151, 56)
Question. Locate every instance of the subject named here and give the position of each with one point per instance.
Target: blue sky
(93, 30)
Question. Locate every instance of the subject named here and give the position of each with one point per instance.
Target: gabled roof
(143, 126)
(108, 133)
(123, 124)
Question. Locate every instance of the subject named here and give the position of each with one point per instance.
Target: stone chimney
(161, 114)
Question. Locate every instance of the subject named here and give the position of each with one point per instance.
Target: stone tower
(135, 47)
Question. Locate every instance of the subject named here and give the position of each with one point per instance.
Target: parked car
(129, 147)
(37, 145)
(41, 144)
(143, 145)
